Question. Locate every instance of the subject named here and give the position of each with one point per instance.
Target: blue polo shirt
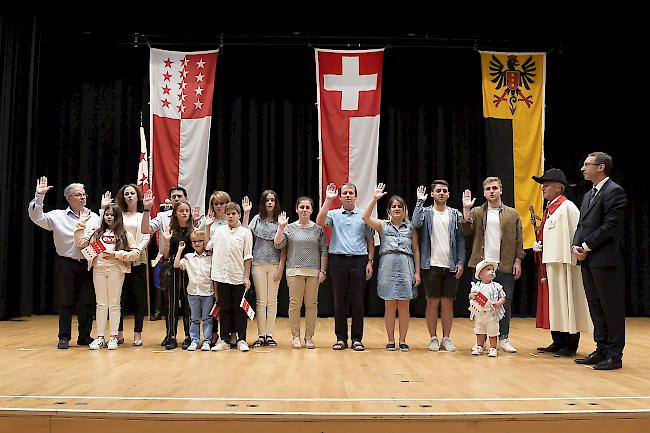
(349, 232)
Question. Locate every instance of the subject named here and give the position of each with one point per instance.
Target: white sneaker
(97, 343)
(206, 346)
(192, 346)
(492, 353)
(309, 343)
(242, 346)
(477, 350)
(447, 345)
(295, 343)
(221, 345)
(434, 345)
(112, 343)
(506, 346)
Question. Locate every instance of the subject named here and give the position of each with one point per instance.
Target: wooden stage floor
(146, 388)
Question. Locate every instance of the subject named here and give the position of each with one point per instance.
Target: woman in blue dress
(399, 263)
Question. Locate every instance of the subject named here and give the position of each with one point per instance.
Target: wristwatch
(324, 272)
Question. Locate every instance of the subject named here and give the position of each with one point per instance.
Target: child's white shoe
(97, 343)
(477, 350)
(112, 343)
(493, 352)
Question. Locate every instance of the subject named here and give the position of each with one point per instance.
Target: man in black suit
(598, 244)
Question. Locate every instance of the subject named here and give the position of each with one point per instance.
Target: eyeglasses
(592, 163)
(80, 194)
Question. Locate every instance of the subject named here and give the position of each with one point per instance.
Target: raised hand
(422, 192)
(246, 204)
(84, 216)
(209, 220)
(468, 201)
(41, 185)
(331, 192)
(181, 245)
(282, 219)
(196, 213)
(106, 200)
(167, 234)
(147, 200)
(379, 191)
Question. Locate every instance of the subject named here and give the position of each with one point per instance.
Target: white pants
(486, 325)
(108, 290)
(266, 292)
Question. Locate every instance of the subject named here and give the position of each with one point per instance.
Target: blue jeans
(200, 307)
(507, 280)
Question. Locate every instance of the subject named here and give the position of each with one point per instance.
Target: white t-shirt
(493, 236)
(230, 248)
(108, 238)
(440, 252)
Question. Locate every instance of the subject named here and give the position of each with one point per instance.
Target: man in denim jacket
(442, 256)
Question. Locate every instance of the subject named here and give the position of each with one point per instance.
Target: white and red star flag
(349, 103)
(181, 90)
(143, 166)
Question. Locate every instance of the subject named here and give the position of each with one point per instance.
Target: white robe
(568, 309)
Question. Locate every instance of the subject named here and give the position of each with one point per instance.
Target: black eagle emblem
(513, 77)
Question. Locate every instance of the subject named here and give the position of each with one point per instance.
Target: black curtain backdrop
(71, 104)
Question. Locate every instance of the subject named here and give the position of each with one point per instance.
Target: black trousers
(176, 293)
(74, 285)
(229, 299)
(134, 292)
(605, 290)
(348, 275)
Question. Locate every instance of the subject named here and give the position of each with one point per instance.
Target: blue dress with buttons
(396, 268)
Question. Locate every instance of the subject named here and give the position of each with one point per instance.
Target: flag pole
(147, 283)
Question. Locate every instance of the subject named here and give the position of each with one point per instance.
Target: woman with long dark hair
(129, 199)
(180, 228)
(268, 263)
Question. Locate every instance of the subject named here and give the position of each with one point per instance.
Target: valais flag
(349, 101)
(181, 89)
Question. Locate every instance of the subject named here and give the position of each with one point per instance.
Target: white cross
(350, 83)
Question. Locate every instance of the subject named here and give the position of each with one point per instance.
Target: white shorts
(486, 326)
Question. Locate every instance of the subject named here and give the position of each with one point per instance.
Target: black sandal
(358, 346)
(259, 342)
(270, 341)
(340, 345)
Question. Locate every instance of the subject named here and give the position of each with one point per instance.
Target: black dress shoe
(566, 352)
(155, 316)
(84, 341)
(594, 358)
(186, 343)
(164, 342)
(63, 344)
(609, 364)
(171, 344)
(552, 348)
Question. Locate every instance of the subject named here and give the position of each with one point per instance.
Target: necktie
(594, 191)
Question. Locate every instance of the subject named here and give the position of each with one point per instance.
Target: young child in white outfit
(486, 317)
(200, 294)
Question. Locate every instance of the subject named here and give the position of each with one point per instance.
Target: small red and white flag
(143, 166)
(349, 104)
(181, 90)
(246, 306)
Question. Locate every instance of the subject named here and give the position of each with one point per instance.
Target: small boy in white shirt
(486, 306)
(232, 254)
(200, 294)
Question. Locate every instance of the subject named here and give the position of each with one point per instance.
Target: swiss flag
(349, 103)
(181, 90)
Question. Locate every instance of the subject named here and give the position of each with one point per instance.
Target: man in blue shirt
(73, 281)
(352, 252)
